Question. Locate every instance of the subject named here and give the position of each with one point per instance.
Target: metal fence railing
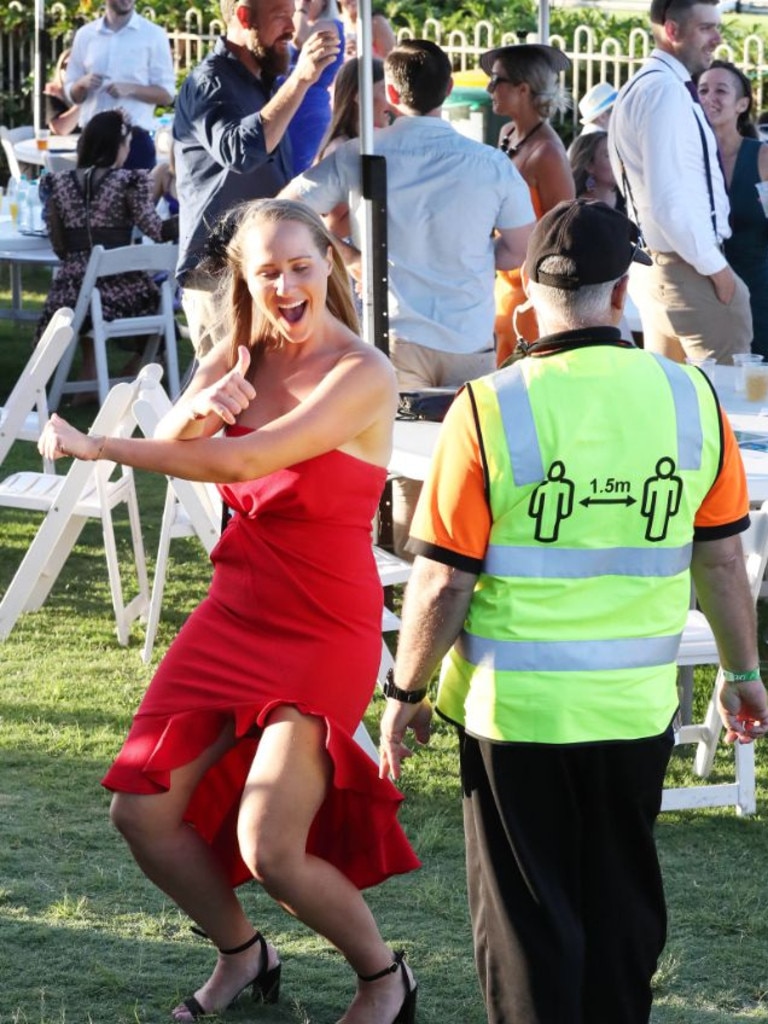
(594, 58)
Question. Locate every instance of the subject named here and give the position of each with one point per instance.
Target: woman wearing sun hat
(524, 86)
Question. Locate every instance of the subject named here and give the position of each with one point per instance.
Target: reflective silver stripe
(519, 426)
(575, 563)
(687, 414)
(567, 655)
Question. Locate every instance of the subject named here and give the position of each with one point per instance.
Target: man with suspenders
(664, 156)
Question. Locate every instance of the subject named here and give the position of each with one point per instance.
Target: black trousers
(565, 890)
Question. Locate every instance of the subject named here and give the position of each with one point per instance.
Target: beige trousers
(203, 311)
(683, 317)
(420, 367)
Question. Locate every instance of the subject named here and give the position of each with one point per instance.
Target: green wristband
(752, 676)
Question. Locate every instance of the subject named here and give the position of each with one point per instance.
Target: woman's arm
(217, 394)
(762, 162)
(352, 408)
(383, 35)
(141, 206)
(549, 172)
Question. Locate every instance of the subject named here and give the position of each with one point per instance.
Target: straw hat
(596, 101)
(556, 59)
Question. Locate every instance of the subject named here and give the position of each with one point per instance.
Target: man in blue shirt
(457, 210)
(230, 135)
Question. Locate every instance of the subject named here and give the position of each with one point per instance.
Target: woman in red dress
(246, 731)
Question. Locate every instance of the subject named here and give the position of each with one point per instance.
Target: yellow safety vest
(597, 459)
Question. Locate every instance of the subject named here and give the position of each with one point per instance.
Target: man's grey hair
(588, 306)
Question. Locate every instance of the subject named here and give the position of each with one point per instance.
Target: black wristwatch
(404, 696)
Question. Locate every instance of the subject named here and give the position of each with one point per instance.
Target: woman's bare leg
(181, 864)
(287, 784)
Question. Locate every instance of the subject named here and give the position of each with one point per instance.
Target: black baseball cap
(600, 241)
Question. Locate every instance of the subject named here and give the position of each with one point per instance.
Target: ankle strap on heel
(256, 937)
(396, 963)
(246, 945)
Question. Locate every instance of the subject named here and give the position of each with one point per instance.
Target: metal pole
(38, 101)
(543, 21)
(373, 219)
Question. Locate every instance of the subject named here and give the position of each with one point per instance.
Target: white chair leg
(707, 746)
(744, 756)
(161, 568)
(363, 739)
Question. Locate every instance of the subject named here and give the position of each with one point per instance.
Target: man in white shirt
(122, 60)
(456, 211)
(664, 157)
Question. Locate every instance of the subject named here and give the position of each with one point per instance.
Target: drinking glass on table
(13, 200)
(740, 361)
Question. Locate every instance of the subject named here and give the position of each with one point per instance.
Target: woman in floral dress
(99, 203)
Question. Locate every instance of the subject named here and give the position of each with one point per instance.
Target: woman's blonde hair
(547, 95)
(250, 327)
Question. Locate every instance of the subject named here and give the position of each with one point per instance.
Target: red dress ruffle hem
(292, 616)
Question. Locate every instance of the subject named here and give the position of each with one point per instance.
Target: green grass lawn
(85, 939)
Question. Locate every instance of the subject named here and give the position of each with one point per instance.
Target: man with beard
(664, 158)
(122, 60)
(230, 131)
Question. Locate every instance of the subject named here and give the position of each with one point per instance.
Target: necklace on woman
(514, 150)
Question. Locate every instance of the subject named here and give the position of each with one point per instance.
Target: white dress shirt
(654, 131)
(446, 194)
(139, 52)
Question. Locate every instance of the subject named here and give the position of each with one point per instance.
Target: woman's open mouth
(293, 312)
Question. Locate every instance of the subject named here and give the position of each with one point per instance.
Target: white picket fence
(594, 59)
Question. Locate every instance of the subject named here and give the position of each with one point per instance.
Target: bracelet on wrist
(404, 696)
(752, 676)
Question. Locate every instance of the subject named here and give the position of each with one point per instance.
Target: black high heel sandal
(265, 986)
(407, 1012)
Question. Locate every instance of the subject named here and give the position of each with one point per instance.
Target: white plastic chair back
(26, 409)
(698, 647)
(152, 259)
(88, 491)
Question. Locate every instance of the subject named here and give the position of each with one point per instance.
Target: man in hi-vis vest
(571, 497)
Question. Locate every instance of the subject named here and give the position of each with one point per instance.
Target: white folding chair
(698, 647)
(8, 138)
(160, 326)
(26, 409)
(191, 509)
(88, 491)
(392, 570)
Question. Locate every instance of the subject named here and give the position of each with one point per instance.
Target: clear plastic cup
(706, 365)
(41, 138)
(756, 382)
(740, 360)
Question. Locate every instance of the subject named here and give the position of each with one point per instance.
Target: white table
(19, 250)
(64, 146)
(746, 418)
(414, 440)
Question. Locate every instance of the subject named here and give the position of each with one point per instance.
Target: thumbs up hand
(229, 396)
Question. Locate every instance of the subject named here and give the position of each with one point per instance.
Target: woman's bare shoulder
(360, 358)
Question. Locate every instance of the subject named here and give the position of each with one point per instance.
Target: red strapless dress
(292, 616)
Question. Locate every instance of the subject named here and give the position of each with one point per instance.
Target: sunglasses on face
(495, 79)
